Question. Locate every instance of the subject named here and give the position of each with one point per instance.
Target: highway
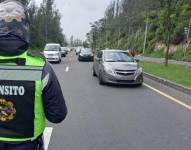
(151, 117)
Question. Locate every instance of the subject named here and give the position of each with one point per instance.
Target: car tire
(140, 84)
(101, 81)
(94, 74)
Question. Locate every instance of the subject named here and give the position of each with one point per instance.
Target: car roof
(113, 50)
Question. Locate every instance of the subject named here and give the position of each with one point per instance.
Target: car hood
(122, 65)
(86, 53)
(51, 52)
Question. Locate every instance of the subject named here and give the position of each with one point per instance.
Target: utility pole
(146, 30)
(187, 38)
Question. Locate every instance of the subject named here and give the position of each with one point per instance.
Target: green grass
(174, 73)
(155, 54)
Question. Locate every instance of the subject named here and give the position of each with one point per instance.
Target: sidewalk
(162, 60)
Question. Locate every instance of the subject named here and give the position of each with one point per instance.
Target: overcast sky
(77, 15)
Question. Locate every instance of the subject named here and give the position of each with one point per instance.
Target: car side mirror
(98, 59)
(137, 60)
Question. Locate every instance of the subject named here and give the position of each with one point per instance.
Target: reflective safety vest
(21, 109)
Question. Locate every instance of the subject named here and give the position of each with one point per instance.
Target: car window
(86, 51)
(51, 48)
(117, 57)
(99, 55)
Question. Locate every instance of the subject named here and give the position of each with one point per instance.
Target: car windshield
(86, 51)
(117, 57)
(51, 48)
(63, 49)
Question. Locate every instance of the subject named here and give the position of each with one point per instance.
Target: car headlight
(140, 70)
(108, 70)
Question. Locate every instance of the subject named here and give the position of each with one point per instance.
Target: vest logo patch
(7, 110)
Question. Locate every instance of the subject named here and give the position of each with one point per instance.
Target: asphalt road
(118, 118)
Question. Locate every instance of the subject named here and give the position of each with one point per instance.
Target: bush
(156, 54)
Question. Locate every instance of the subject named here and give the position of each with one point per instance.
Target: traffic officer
(29, 89)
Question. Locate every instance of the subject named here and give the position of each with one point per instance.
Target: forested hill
(45, 23)
(124, 25)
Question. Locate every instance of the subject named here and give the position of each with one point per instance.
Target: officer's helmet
(14, 28)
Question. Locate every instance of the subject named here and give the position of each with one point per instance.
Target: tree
(167, 18)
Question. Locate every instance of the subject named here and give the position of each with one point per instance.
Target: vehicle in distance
(64, 51)
(117, 67)
(52, 52)
(86, 54)
(78, 49)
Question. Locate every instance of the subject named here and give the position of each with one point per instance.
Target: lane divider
(47, 135)
(180, 102)
(67, 69)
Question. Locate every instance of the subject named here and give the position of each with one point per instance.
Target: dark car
(117, 67)
(86, 54)
(64, 51)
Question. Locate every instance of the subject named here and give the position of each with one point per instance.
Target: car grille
(50, 55)
(125, 72)
(86, 55)
(125, 81)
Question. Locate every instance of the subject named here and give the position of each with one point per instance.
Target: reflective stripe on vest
(20, 73)
(31, 72)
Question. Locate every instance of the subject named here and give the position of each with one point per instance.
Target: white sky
(77, 15)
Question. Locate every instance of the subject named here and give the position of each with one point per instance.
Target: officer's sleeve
(53, 99)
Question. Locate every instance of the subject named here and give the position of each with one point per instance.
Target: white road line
(47, 135)
(67, 69)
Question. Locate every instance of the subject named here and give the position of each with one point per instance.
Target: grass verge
(178, 55)
(174, 73)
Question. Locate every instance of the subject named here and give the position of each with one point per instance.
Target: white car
(52, 52)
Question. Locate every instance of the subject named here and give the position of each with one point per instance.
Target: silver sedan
(117, 67)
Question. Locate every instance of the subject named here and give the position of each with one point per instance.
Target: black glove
(40, 145)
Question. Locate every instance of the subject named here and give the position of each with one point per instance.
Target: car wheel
(94, 74)
(140, 84)
(101, 81)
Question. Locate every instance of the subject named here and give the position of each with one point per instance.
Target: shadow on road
(122, 86)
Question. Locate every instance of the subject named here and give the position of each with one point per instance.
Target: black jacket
(54, 103)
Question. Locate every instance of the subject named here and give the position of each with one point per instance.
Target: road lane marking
(47, 135)
(67, 69)
(180, 102)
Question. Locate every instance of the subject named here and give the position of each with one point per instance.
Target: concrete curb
(168, 83)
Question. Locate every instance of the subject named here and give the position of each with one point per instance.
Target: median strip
(174, 73)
